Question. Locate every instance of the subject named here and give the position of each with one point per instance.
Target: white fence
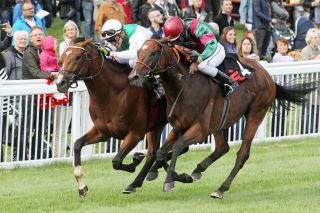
(34, 136)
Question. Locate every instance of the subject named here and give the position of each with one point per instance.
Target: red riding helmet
(173, 28)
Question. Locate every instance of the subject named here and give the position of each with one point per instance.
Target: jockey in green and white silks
(123, 43)
(201, 37)
(124, 40)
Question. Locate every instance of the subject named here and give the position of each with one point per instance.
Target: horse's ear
(87, 41)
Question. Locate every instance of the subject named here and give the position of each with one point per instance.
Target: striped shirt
(3, 100)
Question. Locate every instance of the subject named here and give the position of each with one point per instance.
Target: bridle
(76, 77)
(153, 71)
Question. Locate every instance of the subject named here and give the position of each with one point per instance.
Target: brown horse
(117, 110)
(196, 104)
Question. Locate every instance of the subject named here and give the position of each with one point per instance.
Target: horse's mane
(121, 68)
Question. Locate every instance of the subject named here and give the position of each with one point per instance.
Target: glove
(193, 68)
(104, 51)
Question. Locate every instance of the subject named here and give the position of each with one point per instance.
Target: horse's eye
(153, 54)
(78, 58)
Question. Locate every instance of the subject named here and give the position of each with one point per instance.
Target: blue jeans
(87, 8)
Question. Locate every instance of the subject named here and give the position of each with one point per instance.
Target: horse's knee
(116, 164)
(225, 149)
(161, 155)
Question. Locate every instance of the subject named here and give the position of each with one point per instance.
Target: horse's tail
(295, 93)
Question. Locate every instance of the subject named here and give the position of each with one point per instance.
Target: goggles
(111, 35)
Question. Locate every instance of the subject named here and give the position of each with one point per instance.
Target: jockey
(199, 36)
(124, 41)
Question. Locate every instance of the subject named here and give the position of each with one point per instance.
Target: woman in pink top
(48, 58)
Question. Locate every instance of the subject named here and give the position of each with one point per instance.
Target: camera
(2, 26)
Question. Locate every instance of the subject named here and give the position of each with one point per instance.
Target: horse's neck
(108, 83)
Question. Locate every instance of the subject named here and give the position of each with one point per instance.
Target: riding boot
(158, 89)
(226, 80)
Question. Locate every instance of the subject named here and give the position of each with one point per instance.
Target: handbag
(71, 13)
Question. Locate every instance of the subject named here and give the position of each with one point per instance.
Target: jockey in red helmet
(199, 36)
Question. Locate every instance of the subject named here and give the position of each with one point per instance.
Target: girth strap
(225, 112)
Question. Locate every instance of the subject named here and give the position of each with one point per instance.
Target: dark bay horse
(195, 106)
(117, 110)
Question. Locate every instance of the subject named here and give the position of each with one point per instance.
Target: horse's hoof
(196, 176)
(168, 186)
(217, 194)
(129, 190)
(152, 176)
(84, 191)
(184, 178)
(138, 156)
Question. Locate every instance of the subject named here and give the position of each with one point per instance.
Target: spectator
(70, 32)
(110, 9)
(4, 104)
(28, 20)
(228, 40)
(17, 10)
(168, 9)
(314, 7)
(14, 55)
(282, 51)
(96, 4)
(197, 12)
(5, 43)
(13, 69)
(48, 58)
(247, 49)
(31, 70)
(143, 12)
(261, 24)
(127, 9)
(136, 4)
(6, 13)
(245, 11)
(68, 10)
(312, 50)
(213, 8)
(156, 19)
(87, 9)
(49, 63)
(224, 19)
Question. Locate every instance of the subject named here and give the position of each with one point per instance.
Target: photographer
(6, 42)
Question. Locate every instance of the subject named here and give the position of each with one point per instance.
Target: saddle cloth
(235, 69)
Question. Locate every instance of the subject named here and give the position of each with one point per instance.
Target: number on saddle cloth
(235, 69)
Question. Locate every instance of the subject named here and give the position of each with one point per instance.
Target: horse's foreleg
(253, 121)
(195, 134)
(221, 148)
(92, 137)
(129, 142)
(153, 140)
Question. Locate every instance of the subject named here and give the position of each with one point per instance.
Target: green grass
(278, 177)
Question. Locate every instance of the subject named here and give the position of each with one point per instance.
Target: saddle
(232, 67)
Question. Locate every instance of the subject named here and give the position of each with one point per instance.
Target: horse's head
(76, 63)
(154, 57)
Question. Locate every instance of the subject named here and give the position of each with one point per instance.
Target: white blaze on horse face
(68, 52)
(144, 47)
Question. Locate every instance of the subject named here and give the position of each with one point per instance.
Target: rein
(153, 71)
(76, 77)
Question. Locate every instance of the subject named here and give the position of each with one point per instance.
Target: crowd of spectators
(269, 35)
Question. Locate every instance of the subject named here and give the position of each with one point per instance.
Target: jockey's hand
(104, 51)
(193, 68)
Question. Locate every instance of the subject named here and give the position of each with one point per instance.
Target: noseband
(76, 77)
(154, 71)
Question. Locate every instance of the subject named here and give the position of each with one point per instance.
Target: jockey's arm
(136, 41)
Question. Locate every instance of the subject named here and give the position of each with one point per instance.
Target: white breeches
(209, 65)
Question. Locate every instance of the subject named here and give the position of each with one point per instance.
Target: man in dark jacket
(224, 19)
(31, 62)
(262, 25)
(6, 42)
(143, 12)
(31, 70)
